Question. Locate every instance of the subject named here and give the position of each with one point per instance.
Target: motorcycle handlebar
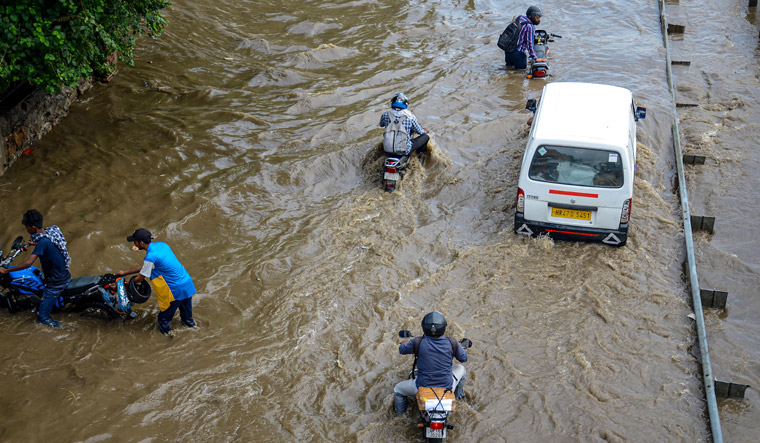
(465, 342)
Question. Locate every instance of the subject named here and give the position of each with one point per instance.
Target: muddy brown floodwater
(246, 137)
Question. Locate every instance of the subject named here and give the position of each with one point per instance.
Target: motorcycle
(104, 295)
(540, 67)
(435, 404)
(393, 171)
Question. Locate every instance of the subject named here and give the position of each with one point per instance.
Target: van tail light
(625, 214)
(520, 200)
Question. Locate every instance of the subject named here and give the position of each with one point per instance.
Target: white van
(576, 180)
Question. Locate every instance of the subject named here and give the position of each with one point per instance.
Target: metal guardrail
(707, 373)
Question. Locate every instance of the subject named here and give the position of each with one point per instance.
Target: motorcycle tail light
(436, 425)
(391, 169)
(539, 73)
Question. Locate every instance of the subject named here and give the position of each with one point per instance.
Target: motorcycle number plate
(434, 433)
(392, 176)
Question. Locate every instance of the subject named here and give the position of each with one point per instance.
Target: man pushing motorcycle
(434, 354)
(50, 248)
(173, 286)
(517, 57)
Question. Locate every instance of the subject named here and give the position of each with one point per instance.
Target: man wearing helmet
(434, 354)
(400, 124)
(517, 58)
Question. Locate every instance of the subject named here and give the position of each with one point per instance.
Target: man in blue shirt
(50, 248)
(434, 367)
(172, 284)
(517, 58)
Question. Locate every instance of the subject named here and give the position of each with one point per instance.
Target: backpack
(395, 136)
(508, 38)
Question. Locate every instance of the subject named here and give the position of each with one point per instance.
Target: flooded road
(247, 139)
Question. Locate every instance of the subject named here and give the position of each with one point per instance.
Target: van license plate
(571, 213)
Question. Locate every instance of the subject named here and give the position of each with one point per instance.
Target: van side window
(577, 166)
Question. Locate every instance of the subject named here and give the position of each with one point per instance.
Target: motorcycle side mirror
(530, 105)
(18, 242)
(404, 333)
(466, 343)
(640, 113)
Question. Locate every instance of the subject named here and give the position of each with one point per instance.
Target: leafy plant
(50, 43)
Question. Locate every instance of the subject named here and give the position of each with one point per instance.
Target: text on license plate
(571, 213)
(392, 176)
(433, 433)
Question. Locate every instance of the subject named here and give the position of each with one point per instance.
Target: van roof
(584, 112)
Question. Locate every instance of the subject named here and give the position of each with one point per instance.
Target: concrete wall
(24, 125)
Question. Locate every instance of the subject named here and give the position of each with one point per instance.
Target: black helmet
(138, 293)
(534, 11)
(399, 101)
(434, 324)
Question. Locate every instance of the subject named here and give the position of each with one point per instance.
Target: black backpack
(508, 39)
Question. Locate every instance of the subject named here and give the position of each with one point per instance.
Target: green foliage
(50, 43)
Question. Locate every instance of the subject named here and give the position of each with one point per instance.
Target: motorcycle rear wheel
(99, 310)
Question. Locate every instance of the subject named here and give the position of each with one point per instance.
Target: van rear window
(577, 166)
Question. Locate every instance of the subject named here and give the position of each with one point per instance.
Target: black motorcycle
(540, 67)
(435, 404)
(104, 295)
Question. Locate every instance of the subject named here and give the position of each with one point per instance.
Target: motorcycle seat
(428, 396)
(81, 283)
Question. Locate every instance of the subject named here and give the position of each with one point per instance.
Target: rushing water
(246, 138)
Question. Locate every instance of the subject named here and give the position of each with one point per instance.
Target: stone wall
(23, 125)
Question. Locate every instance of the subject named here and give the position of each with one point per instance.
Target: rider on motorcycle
(409, 126)
(434, 361)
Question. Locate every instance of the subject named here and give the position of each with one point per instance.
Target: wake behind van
(577, 174)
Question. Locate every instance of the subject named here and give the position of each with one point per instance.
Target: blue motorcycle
(105, 296)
